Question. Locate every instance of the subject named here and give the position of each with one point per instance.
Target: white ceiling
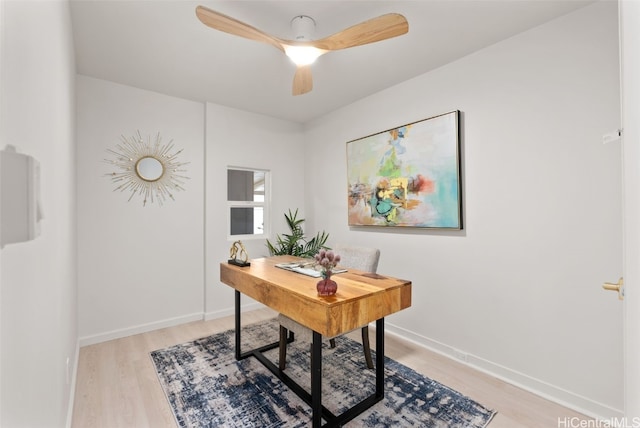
(161, 46)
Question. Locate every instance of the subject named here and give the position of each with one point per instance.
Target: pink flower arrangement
(327, 260)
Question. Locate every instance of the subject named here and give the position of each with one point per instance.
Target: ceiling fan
(304, 51)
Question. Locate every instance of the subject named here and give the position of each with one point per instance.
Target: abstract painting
(407, 176)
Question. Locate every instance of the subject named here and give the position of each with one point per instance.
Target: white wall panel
(38, 277)
(140, 267)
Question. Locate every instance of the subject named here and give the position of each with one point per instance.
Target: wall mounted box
(20, 211)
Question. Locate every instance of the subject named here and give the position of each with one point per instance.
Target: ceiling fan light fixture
(303, 49)
(303, 55)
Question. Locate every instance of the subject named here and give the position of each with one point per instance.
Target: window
(247, 200)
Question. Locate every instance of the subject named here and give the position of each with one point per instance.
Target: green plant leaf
(295, 243)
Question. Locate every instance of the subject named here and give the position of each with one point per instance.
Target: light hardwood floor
(117, 384)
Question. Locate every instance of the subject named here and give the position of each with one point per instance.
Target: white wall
(519, 290)
(242, 139)
(38, 277)
(140, 267)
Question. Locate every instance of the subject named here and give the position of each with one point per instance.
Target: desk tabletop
(361, 297)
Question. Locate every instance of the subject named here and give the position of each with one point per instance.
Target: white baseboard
(541, 388)
(143, 328)
(231, 311)
(170, 322)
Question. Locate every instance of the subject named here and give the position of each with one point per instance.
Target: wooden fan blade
(225, 23)
(302, 81)
(374, 30)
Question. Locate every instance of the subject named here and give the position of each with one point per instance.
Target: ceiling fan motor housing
(303, 27)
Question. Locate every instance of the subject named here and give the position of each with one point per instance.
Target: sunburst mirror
(150, 170)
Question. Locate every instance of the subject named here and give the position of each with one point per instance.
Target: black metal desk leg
(238, 326)
(380, 358)
(316, 379)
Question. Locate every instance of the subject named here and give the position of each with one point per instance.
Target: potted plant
(295, 243)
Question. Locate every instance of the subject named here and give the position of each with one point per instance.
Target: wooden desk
(361, 298)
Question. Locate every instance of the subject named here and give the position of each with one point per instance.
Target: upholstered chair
(360, 258)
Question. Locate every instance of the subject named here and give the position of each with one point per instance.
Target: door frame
(629, 24)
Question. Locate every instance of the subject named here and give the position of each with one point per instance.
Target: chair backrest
(361, 258)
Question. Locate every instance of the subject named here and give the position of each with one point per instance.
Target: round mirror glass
(149, 168)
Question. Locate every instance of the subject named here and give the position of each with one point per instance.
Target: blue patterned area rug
(207, 387)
